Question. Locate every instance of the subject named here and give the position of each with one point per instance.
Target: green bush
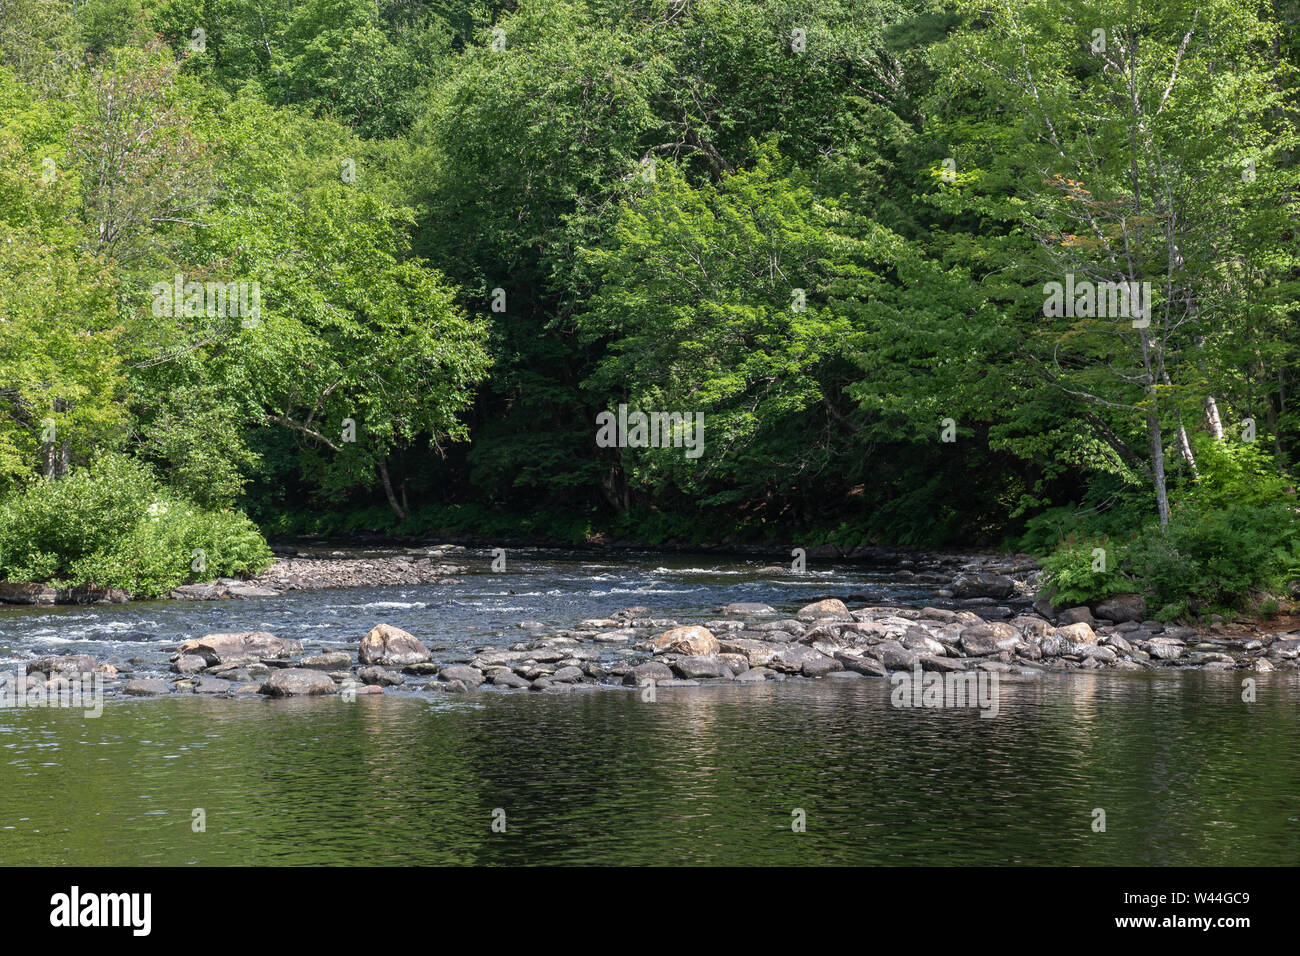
(115, 525)
(1212, 557)
(1073, 574)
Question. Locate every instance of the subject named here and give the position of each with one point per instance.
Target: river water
(1185, 771)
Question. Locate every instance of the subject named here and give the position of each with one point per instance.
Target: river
(1185, 771)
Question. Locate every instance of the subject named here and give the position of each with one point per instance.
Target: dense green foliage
(831, 227)
(116, 525)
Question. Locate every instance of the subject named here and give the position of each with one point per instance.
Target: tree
(1114, 142)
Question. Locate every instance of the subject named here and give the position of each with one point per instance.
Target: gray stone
(210, 685)
(820, 666)
(189, 664)
(379, 677)
(693, 668)
(146, 687)
(331, 661)
(240, 647)
(298, 682)
(649, 671)
(470, 677)
(1076, 615)
(1122, 608)
(64, 664)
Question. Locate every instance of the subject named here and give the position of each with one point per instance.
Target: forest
(1016, 274)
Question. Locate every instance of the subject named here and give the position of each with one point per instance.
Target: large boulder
(1079, 633)
(1077, 615)
(247, 646)
(652, 671)
(992, 637)
(298, 682)
(65, 664)
(688, 640)
(831, 607)
(391, 646)
(1122, 607)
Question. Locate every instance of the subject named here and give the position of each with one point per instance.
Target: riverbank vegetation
(1016, 274)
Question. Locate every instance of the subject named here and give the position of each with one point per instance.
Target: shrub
(1073, 574)
(114, 525)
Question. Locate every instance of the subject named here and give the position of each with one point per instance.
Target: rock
(1121, 608)
(757, 653)
(736, 663)
(1052, 645)
(892, 655)
(248, 646)
(240, 589)
(915, 639)
(982, 584)
(379, 677)
(392, 646)
(148, 687)
(16, 592)
(1078, 633)
(867, 666)
(508, 678)
(567, 675)
(748, 607)
(470, 677)
(210, 685)
(189, 664)
(755, 675)
(1030, 626)
(704, 665)
(70, 664)
(1165, 649)
(792, 657)
(991, 638)
(944, 665)
(1118, 643)
(938, 614)
(197, 592)
(331, 661)
(820, 666)
(831, 607)
(298, 682)
(649, 671)
(688, 640)
(1076, 615)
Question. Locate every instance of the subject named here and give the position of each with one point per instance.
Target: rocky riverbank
(747, 643)
(291, 571)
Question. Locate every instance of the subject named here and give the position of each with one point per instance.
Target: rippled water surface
(1185, 771)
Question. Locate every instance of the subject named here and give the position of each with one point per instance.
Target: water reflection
(1186, 772)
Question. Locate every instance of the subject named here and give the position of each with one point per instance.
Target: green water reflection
(1186, 772)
